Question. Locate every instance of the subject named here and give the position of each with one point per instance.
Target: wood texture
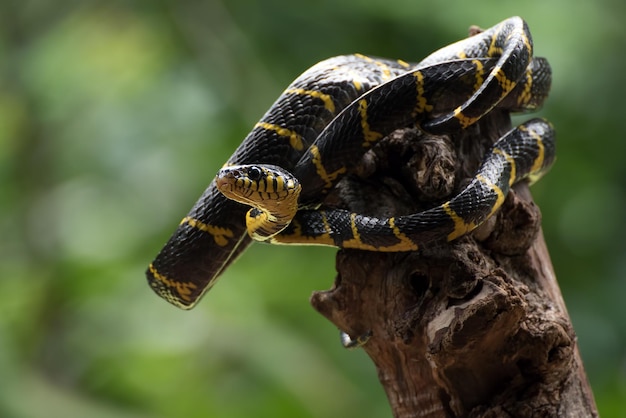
(472, 328)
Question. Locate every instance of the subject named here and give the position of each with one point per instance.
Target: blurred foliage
(115, 115)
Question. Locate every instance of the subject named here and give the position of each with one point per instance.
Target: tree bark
(472, 328)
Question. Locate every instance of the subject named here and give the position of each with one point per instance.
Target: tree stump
(472, 328)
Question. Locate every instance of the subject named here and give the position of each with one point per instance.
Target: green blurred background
(115, 115)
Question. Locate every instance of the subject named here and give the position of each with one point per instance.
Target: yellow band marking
(370, 136)
(511, 162)
(220, 235)
(355, 230)
(464, 121)
(295, 140)
(327, 99)
(356, 242)
(497, 190)
(325, 238)
(494, 48)
(505, 83)
(386, 72)
(357, 79)
(183, 289)
(535, 170)
(421, 104)
(328, 230)
(460, 226)
(403, 63)
(280, 184)
(267, 185)
(328, 178)
(405, 242)
(480, 74)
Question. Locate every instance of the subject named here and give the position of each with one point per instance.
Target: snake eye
(254, 173)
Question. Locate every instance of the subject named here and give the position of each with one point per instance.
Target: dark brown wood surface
(472, 328)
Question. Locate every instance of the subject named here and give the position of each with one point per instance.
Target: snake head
(256, 183)
(272, 191)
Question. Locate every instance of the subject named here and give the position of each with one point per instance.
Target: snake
(316, 131)
(525, 152)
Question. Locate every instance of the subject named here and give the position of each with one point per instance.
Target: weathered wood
(473, 328)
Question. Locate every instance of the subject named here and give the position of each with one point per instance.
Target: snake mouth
(227, 184)
(223, 184)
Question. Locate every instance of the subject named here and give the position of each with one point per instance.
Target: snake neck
(268, 218)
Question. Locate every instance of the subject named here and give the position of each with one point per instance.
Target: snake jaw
(223, 183)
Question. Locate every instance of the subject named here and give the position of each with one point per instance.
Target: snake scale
(322, 124)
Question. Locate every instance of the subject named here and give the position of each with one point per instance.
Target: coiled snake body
(331, 115)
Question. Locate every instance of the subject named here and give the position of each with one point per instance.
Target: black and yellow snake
(331, 115)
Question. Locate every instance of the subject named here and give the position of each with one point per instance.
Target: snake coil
(315, 133)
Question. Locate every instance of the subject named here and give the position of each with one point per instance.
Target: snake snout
(224, 179)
